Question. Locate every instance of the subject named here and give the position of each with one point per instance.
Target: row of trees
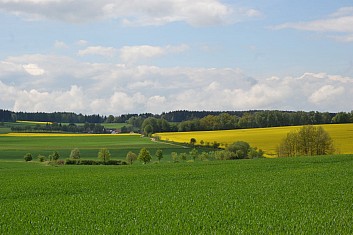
(245, 119)
(59, 117)
(58, 127)
(226, 121)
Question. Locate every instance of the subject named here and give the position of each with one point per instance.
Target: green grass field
(304, 195)
(14, 147)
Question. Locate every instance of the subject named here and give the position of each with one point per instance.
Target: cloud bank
(338, 25)
(131, 13)
(107, 88)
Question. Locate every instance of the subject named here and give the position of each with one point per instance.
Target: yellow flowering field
(34, 122)
(266, 139)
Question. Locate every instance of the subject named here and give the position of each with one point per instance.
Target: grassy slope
(264, 138)
(14, 147)
(311, 195)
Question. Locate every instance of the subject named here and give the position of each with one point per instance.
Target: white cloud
(339, 24)
(132, 54)
(148, 12)
(98, 50)
(82, 42)
(33, 69)
(71, 85)
(60, 45)
(326, 93)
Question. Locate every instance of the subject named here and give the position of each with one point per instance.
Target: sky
(117, 56)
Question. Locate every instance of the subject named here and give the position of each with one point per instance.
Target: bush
(54, 157)
(87, 162)
(28, 157)
(69, 161)
(41, 158)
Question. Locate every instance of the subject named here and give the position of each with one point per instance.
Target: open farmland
(308, 195)
(13, 146)
(266, 139)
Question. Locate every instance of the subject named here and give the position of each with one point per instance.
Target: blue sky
(115, 56)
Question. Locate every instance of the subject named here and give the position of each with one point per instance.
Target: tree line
(95, 128)
(148, 123)
(226, 121)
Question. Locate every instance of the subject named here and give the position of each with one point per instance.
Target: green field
(307, 195)
(14, 147)
(5, 127)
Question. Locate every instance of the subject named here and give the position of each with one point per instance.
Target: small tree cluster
(308, 141)
(28, 157)
(54, 156)
(242, 150)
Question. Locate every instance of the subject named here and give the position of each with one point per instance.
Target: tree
(159, 154)
(144, 156)
(240, 148)
(175, 156)
(183, 156)
(308, 141)
(192, 141)
(54, 156)
(193, 153)
(28, 157)
(110, 119)
(75, 154)
(131, 157)
(104, 154)
(148, 130)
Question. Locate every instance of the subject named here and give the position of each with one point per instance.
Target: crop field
(266, 139)
(13, 146)
(304, 195)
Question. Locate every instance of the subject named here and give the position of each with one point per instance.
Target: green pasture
(15, 147)
(5, 127)
(304, 195)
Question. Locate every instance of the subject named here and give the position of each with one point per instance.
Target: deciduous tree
(75, 154)
(131, 157)
(104, 154)
(159, 154)
(144, 156)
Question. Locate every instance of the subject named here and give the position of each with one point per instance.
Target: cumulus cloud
(71, 85)
(131, 54)
(97, 50)
(33, 69)
(148, 12)
(338, 25)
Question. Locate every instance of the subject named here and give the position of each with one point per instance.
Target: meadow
(266, 139)
(304, 195)
(14, 146)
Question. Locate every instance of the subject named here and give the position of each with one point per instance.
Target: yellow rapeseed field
(33, 122)
(266, 139)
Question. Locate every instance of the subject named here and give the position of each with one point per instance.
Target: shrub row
(93, 162)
